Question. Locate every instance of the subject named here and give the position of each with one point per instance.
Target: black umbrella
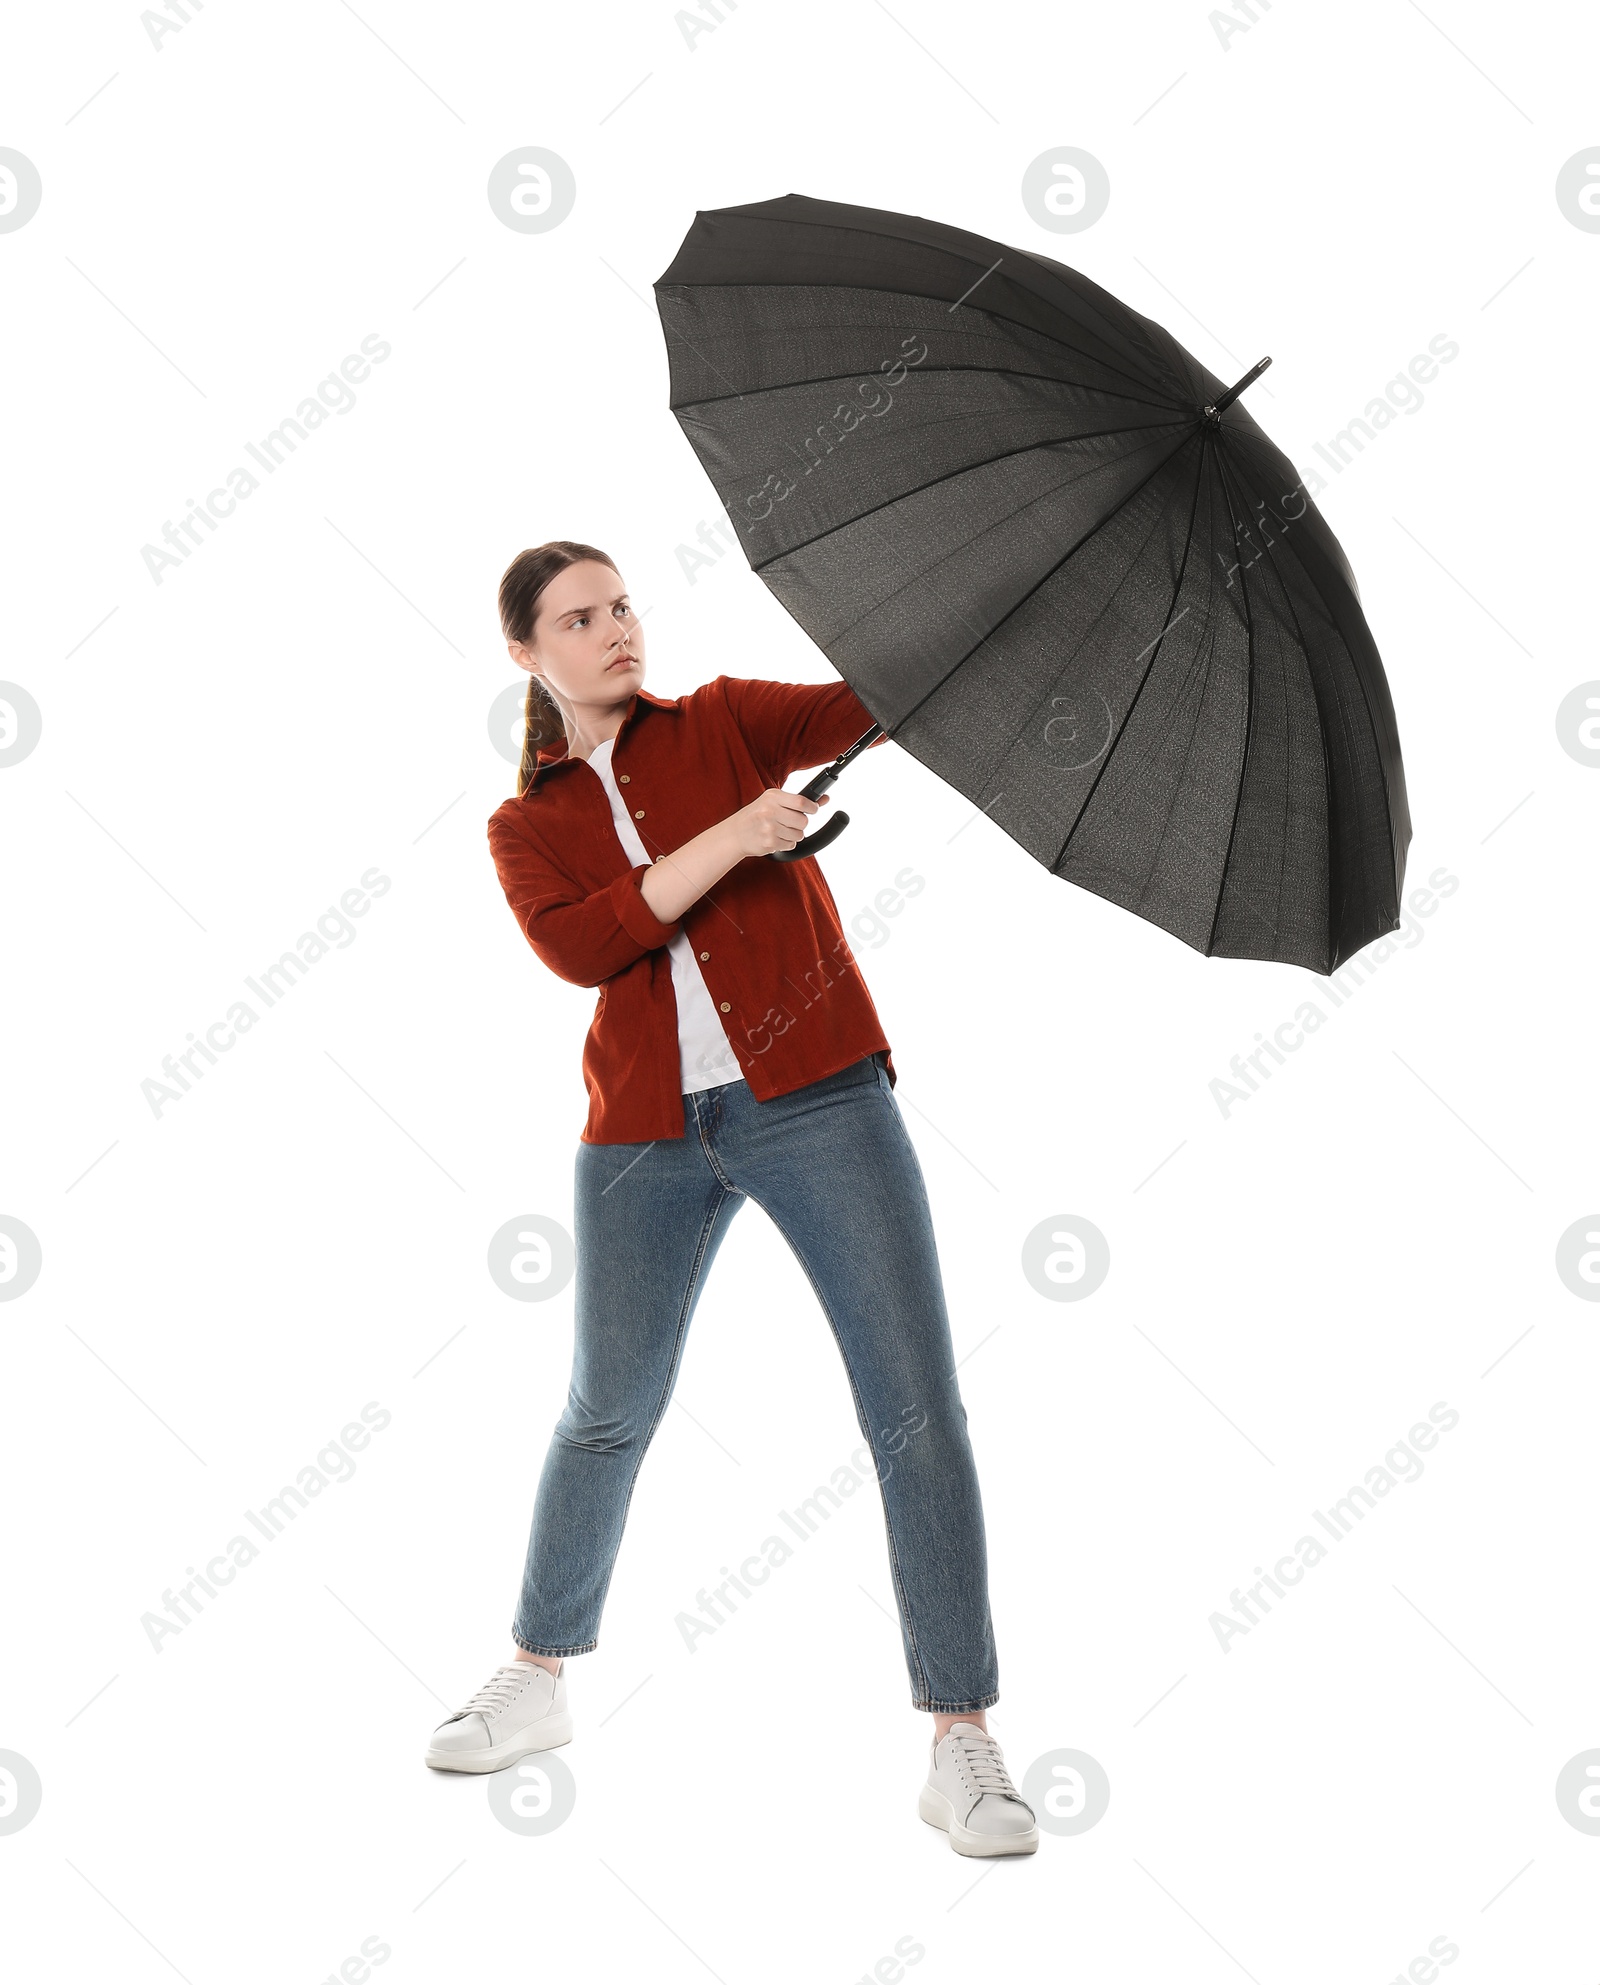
(1055, 560)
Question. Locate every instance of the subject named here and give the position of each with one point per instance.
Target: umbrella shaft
(816, 787)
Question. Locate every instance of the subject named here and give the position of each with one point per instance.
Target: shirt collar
(551, 755)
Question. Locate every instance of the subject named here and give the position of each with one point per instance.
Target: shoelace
(498, 1691)
(980, 1753)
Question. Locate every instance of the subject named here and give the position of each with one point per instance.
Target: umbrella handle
(802, 850)
(813, 790)
(830, 830)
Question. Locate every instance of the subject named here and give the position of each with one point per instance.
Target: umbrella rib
(1099, 524)
(1272, 929)
(1249, 715)
(1127, 715)
(1330, 932)
(1333, 856)
(1230, 473)
(1082, 336)
(1005, 751)
(966, 468)
(1366, 704)
(1188, 749)
(1009, 517)
(989, 371)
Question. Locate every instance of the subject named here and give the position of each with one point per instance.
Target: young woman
(735, 1054)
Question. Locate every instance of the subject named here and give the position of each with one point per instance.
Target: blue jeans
(833, 1166)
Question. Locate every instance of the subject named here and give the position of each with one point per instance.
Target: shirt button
(705, 954)
(638, 813)
(726, 1008)
(623, 778)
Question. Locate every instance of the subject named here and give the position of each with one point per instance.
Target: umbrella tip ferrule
(1212, 414)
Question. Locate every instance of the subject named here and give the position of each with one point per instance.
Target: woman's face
(587, 644)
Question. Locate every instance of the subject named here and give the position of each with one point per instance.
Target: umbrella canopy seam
(1127, 716)
(965, 469)
(1334, 939)
(1071, 551)
(1176, 407)
(893, 289)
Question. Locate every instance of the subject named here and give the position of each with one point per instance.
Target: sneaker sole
(936, 1809)
(543, 1736)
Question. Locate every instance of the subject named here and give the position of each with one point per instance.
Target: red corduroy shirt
(767, 937)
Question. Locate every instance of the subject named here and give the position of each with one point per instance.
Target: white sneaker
(969, 1793)
(521, 1708)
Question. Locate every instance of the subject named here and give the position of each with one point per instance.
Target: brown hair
(524, 580)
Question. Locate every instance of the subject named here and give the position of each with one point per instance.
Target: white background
(1291, 1288)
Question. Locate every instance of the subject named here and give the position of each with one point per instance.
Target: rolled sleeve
(790, 726)
(635, 914)
(583, 938)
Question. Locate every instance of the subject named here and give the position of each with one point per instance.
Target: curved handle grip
(808, 846)
(814, 790)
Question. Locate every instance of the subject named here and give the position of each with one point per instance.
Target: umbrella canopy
(1054, 561)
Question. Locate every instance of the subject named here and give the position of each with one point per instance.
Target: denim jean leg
(648, 1220)
(834, 1167)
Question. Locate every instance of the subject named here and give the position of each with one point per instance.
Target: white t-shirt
(705, 1060)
